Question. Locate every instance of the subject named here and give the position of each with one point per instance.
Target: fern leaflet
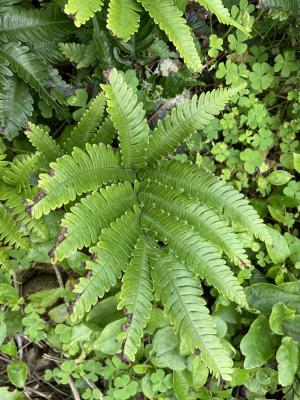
(136, 296)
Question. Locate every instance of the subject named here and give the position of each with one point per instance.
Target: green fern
(15, 106)
(135, 206)
(123, 18)
(136, 296)
(184, 121)
(82, 11)
(180, 294)
(111, 255)
(129, 119)
(169, 18)
(34, 25)
(31, 69)
(87, 126)
(43, 142)
(281, 9)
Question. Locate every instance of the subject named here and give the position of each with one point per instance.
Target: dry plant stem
(58, 276)
(74, 389)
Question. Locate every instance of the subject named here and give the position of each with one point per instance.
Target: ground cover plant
(150, 195)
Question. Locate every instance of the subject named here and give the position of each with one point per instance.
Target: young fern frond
(99, 165)
(123, 18)
(136, 297)
(195, 252)
(82, 11)
(180, 294)
(170, 19)
(43, 142)
(85, 130)
(83, 225)
(128, 117)
(205, 221)
(212, 192)
(184, 121)
(34, 25)
(222, 13)
(15, 106)
(112, 255)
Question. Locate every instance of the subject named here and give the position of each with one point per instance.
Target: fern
(136, 296)
(34, 25)
(86, 128)
(105, 133)
(43, 143)
(129, 119)
(83, 11)
(198, 254)
(211, 191)
(170, 19)
(281, 9)
(99, 165)
(134, 206)
(112, 255)
(123, 18)
(29, 68)
(10, 233)
(15, 106)
(205, 221)
(180, 294)
(83, 225)
(184, 121)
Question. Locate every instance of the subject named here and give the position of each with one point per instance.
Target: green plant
(143, 202)
(28, 47)
(124, 18)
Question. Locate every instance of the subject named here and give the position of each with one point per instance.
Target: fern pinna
(162, 224)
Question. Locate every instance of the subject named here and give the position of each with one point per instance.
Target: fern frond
(136, 297)
(205, 221)
(86, 128)
(105, 133)
(10, 233)
(15, 106)
(83, 225)
(198, 254)
(222, 13)
(170, 19)
(99, 165)
(123, 18)
(128, 117)
(43, 142)
(34, 25)
(180, 294)
(212, 192)
(17, 209)
(73, 52)
(82, 11)
(281, 9)
(112, 255)
(184, 121)
(19, 172)
(30, 68)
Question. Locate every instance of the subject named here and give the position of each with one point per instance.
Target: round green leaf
(17, 373)
(278, 178)
(287, 357)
